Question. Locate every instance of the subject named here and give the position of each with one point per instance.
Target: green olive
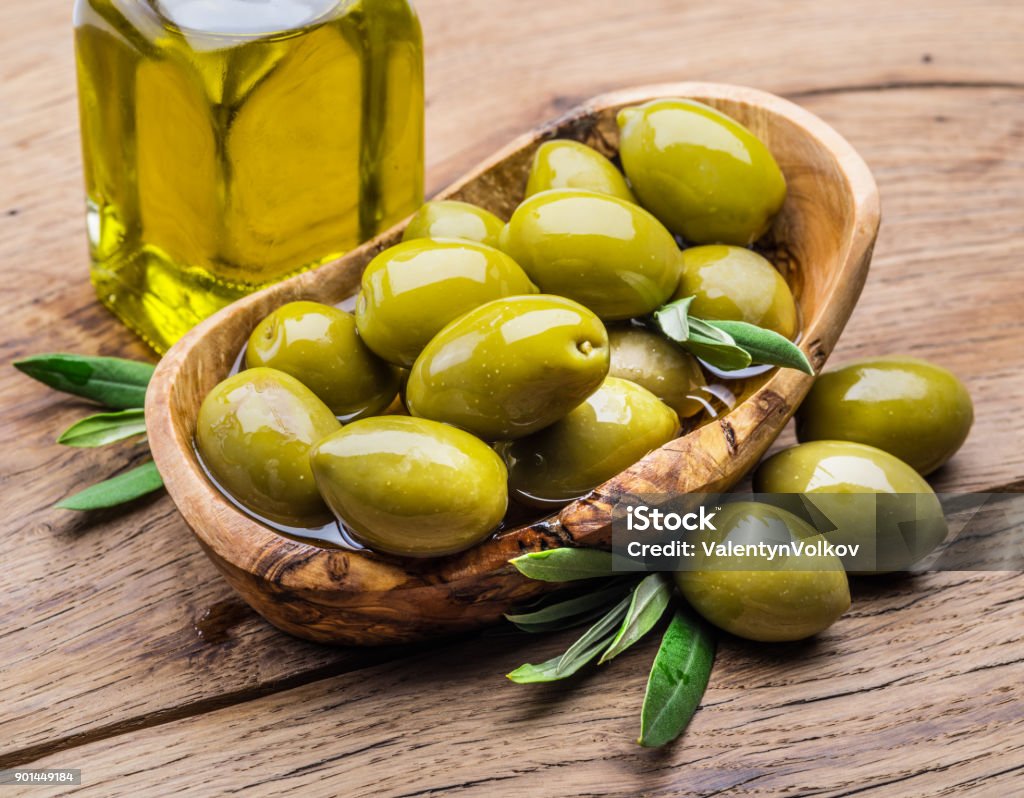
(910, 408)
(702, 173)
(650, 360)
(415, 288)
(318, 345)
(254, 433)
(603, 252)
(410, 486)
(739, 285)
(454, 219)
(788, 597)
(873, 500)
(510, 367)
(615, 427)
(568, 164)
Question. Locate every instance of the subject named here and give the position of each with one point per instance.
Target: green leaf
(104, 428)
(569, 612)
(698, 337)
(564, 564)
(673, 319)
(602, 630)
(118, 490)
(765, 346)
(548, 671)
(649, 601)
(728, 345)
(678, 679)
(584, 650)
(112, 381)
(715, 346)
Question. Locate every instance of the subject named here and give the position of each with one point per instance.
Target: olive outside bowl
(823, 240)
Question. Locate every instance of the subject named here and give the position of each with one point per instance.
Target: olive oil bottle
(231, 143)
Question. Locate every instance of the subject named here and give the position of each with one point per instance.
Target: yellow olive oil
(229, 144)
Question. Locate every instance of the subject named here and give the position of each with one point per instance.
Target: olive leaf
(584, 650)
(599, 631)
(104, 428)
(728, 345)
(710, 344)
(765, 346)
(566, 613)
(548, 671)
(564, 564)
(112, 381)
(650, 598)
(117, 383)
(118, 490)
(678, 679)
(715, 346)
(673, 319)
(681, 667)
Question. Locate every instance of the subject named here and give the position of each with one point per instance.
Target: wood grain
(879, 705)
(96, 631)
(826, 231)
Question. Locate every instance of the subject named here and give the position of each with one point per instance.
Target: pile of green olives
(869, 432)
(491, 363)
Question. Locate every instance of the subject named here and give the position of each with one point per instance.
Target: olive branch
(119, 385)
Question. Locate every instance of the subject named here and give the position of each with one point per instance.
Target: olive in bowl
(652, 361)
(411, 487)
(318, 345)
(254, 434)
(702, 173)
(568, 164)
(413, 289)
(736, 284)
(510, 367)
(601, 251)
(454, 219)
(615, 427)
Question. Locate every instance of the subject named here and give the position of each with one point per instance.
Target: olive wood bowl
(822, 242)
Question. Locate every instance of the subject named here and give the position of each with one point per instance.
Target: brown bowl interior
(821, 241)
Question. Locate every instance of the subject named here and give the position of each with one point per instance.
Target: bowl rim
(240, 544)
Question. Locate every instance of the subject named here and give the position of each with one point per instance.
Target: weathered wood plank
(948, 268)
(908, 689)
(946, 275)
(97, 623)
(488, 71)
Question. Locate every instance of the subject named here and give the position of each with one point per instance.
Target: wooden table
(124, 654)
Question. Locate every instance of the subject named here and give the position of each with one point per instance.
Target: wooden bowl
(822, 241)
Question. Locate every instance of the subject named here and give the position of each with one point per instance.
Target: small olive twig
(117, 384)
(682, 665)
(727, 345)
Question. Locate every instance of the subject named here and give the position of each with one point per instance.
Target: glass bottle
(229, 144)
